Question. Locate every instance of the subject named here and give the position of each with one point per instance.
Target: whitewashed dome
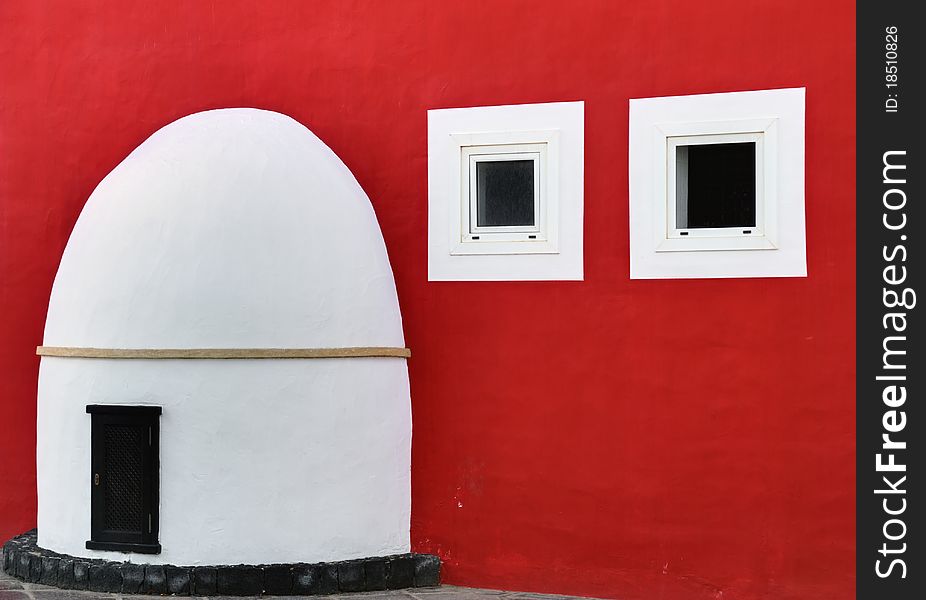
(232, 229)
(227, 228)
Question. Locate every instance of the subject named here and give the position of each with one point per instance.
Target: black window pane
(716, 185)
(505, 193)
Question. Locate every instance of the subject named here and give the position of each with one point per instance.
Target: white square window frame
(555, 133)
(776, 117)
(762, 236)
(472, 157)
(544, 151)
(673, 231)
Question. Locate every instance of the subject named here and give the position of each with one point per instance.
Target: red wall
(635, 439)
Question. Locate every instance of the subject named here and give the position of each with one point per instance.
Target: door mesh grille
(123, 485)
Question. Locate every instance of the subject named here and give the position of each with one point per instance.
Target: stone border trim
(23, 559)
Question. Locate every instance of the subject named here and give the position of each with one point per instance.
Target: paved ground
(13, 589)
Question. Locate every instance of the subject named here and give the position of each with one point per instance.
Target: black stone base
(23, 559)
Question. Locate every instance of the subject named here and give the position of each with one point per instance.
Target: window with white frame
(716, 185)
(502, 197)
(505, 192)
(508, 196)
(718, 191)
(715, 188)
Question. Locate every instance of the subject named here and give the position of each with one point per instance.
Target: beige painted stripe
(370, 351)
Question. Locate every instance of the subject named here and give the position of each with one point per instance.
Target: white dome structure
(232, 229)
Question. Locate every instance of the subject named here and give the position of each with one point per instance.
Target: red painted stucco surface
(632, 439)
